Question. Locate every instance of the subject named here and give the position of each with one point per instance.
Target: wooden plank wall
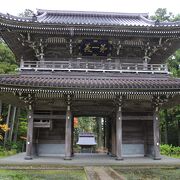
(55, 135)
(133, 132)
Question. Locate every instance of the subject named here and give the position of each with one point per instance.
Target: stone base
(119, 158)
(113, 155)
(157, 158)
(67, 158)
(28, 158)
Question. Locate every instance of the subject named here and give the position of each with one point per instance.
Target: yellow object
(1, 137)
(4, 127)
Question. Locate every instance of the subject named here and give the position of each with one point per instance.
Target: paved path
(102, 173)
(89, 160)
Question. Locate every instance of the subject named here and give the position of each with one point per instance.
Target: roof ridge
(100, 13)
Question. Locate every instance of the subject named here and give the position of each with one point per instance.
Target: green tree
(161, 14)
(170, 118)
(27, 13)
(7, 59)
(174, 64)
(6, 54)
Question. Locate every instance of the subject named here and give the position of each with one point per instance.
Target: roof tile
(85, 81)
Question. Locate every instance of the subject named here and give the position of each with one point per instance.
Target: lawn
(149, 173)
(42, 174)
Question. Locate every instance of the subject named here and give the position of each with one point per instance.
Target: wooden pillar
(16, 125)
(119, 133)
(145, 138)
(104, 131)
(113, 137)
(0, 107)
(72, 136)
(29, 141)
(99, 132)
(68, 132)
(14, 111)
(7, 122)
(107, 135)
(156, 134)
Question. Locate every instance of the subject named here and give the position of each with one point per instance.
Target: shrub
(170, 150)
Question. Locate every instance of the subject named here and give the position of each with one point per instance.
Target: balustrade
(93, 66)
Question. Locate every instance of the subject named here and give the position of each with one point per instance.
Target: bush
(170, 150)
(4, 152)
(14, 146)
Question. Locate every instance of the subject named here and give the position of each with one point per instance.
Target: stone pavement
(88, 160)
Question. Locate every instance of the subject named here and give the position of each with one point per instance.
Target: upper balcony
(89, 66)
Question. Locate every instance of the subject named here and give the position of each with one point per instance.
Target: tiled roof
(86, 139)
(89, 18)
(93, 18)
(87, 81)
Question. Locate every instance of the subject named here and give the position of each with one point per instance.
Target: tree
(161, 14)
(3, 128)
(27, 13)
(7, 60)
(6, 54)
(170, 118)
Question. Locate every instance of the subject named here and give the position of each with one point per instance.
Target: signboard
(92, 47)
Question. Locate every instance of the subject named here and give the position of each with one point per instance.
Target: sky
(15, 7)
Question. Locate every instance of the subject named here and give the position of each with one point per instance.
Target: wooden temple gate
(109, 65)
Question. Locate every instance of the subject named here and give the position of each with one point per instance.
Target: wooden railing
(92, 66)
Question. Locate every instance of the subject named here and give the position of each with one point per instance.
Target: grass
(42, 174)
(7, 153)
(175, 156)
(150, 173)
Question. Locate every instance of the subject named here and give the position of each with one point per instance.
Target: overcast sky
(17, 6)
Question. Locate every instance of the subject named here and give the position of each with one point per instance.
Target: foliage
(42, 174)
(161, 14)
(170, 120)
(6, 54)
(174, 64)
(10, 145)
(169, 125)
(3, 128)
(170, 150)
(6, 68)
(176, 18)
(86, 124)
(148, 173)
(22, 126)
(7, 60)
(27, 13)
(5, 152)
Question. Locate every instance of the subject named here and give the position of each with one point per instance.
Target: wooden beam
(29, 141)
(156, 134)
(68, 132)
